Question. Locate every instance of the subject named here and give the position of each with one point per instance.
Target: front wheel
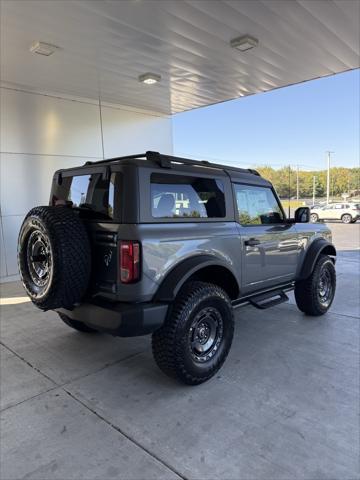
(314, 217)
(196, 337)
(315, 294)
(347, 218)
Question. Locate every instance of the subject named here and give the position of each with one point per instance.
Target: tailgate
(104, 274)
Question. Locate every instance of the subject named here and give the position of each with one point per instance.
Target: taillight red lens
(129, 261)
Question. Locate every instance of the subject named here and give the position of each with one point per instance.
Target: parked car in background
(344, 211)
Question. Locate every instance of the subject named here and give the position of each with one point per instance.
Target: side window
(176, 196)
(91, 193)
(101, 195)
(257, 205)
(78, 190)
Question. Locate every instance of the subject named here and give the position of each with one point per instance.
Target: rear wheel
(314, 217)
(76, 325)
(346, 218)
(315, 294)
(196, 338)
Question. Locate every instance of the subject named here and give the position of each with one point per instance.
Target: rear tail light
(129, 261)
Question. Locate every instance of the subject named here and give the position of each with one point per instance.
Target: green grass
(293, 203)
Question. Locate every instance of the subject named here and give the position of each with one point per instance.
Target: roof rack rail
(115, 159)
(166, 161)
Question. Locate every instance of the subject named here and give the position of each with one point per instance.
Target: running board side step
(269, 299)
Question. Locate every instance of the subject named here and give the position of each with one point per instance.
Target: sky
(292, 125)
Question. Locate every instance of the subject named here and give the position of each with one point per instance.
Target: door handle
(252, 242)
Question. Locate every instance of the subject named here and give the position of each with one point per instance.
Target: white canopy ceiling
(106, 45)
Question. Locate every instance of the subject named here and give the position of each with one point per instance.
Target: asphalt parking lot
(284, 406)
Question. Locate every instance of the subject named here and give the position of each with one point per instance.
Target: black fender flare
(176, 278)
(316, 248)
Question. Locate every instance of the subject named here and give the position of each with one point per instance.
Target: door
(338, 211)
(329, 212)
(269, 246)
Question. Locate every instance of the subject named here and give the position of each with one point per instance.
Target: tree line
(342, 180)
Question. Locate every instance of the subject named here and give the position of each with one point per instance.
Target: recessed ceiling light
(149, 78)
(244, 43)
(42, 48)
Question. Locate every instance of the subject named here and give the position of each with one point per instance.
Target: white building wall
(40, 134)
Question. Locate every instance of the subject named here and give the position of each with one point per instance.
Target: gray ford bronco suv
(164, 245)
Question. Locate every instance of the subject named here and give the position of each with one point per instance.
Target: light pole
(297, 182)
(314, 185)
(328, 177)
(289, 190)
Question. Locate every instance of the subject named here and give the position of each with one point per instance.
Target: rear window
(176, 196)
(90, 193)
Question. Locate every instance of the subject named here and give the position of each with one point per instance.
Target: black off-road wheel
(76, 325)
(54, 257)
(315, 294)
(196, 338)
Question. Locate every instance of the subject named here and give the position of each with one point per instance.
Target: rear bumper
(120, 319)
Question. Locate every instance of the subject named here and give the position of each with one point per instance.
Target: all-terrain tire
(173, 345)
(76, 325)
(311, 294)
(54, 257)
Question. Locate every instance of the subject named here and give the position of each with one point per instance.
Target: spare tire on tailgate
(54, 257)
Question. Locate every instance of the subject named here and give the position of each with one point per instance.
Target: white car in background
(346, 212)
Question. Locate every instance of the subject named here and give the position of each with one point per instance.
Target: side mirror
(302, 215)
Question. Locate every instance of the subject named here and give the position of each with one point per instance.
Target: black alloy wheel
(205, 334)
(38, 258)
(325, 286)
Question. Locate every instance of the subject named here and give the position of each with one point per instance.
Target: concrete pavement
(284, 406)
